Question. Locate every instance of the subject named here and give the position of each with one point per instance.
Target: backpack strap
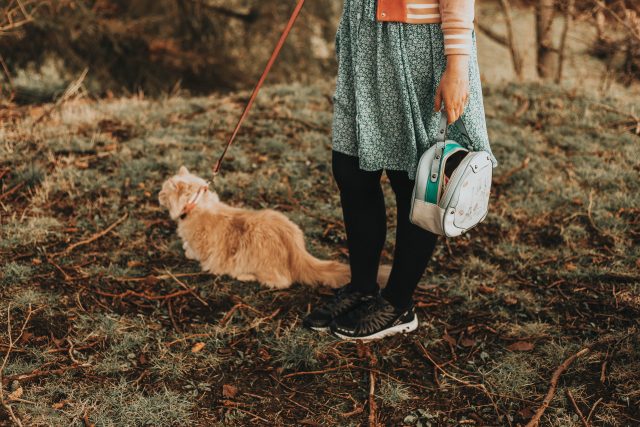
(440, 143)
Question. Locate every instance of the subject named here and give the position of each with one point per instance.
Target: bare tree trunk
(568, 18)
(516, 57)
(545, 10)
(508, 41)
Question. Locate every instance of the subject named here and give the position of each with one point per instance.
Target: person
(394, 76)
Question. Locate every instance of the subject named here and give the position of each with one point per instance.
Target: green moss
(14, 273)
(29, 231)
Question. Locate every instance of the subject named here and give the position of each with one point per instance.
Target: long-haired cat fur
(249, 245)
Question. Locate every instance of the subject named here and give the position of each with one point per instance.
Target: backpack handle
(441, 142)
(442, 130)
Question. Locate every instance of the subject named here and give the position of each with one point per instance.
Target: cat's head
(179, 191)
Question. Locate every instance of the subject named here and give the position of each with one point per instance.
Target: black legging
(365, 220)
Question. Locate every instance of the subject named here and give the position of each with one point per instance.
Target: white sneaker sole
(319, 328)
(398, 329)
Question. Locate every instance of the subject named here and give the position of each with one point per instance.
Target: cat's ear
(183, 171)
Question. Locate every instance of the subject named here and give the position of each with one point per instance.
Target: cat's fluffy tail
(313, 271)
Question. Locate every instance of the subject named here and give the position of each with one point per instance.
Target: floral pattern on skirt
(388, 73)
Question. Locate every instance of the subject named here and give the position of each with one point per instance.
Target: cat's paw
(275, 281)
(188, 252)
(246, 277)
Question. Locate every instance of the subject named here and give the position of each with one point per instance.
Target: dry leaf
(510, 300)
(17, 394)
(483, 289)
(520, 346)
(227, 402)
(81, 164)
(151, 280)
(448, 338)
(526, 412)
(59, 405)
(229, 391)
(467, 342)
(26, 336)
(134, 263)
(197, 347)
(264, 354)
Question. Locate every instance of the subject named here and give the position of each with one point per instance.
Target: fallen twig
(625, 24)
(173, 320)
(553, 384)
(85, 419)
(38, 373)
(141, 295)
(499, 180)
(633, 122)
(4, 403)
(373, 407)
(357, 409)
(71, 90)
(257, 322)
(5, 69)
(480, 387)
(92, 238)
(577, 409)
(158, 277)
(3, 172)
(324, 371)
(239, 305)
(7, 23)
(191, 290)
(593, 408)
(12, 190)
(249, 413)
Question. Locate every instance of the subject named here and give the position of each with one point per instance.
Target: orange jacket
(456, 17)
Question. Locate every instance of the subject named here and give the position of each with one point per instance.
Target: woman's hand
(454, 87)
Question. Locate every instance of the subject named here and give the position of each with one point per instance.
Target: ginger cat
(249, 245)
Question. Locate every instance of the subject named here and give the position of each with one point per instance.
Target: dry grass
(554, 267)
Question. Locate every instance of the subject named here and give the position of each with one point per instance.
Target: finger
(451, 115)
(438, 103)
(455, 106)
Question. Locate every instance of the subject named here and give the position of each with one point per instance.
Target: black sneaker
(375, 319)
(343, 301)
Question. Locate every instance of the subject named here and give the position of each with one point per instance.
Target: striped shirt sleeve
(457, 24)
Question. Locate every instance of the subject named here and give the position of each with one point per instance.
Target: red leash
(274, 55)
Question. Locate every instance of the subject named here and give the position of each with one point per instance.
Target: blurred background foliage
(162, 46)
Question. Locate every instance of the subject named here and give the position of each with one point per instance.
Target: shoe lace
(341, 300)
(369, 307)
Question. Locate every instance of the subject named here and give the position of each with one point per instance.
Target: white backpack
(453, 207)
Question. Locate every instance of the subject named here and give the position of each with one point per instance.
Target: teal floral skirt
(388, 73)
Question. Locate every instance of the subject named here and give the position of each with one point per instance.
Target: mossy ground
(553, 268)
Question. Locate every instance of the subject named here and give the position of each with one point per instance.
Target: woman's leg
(413, 249)
(365, 219)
